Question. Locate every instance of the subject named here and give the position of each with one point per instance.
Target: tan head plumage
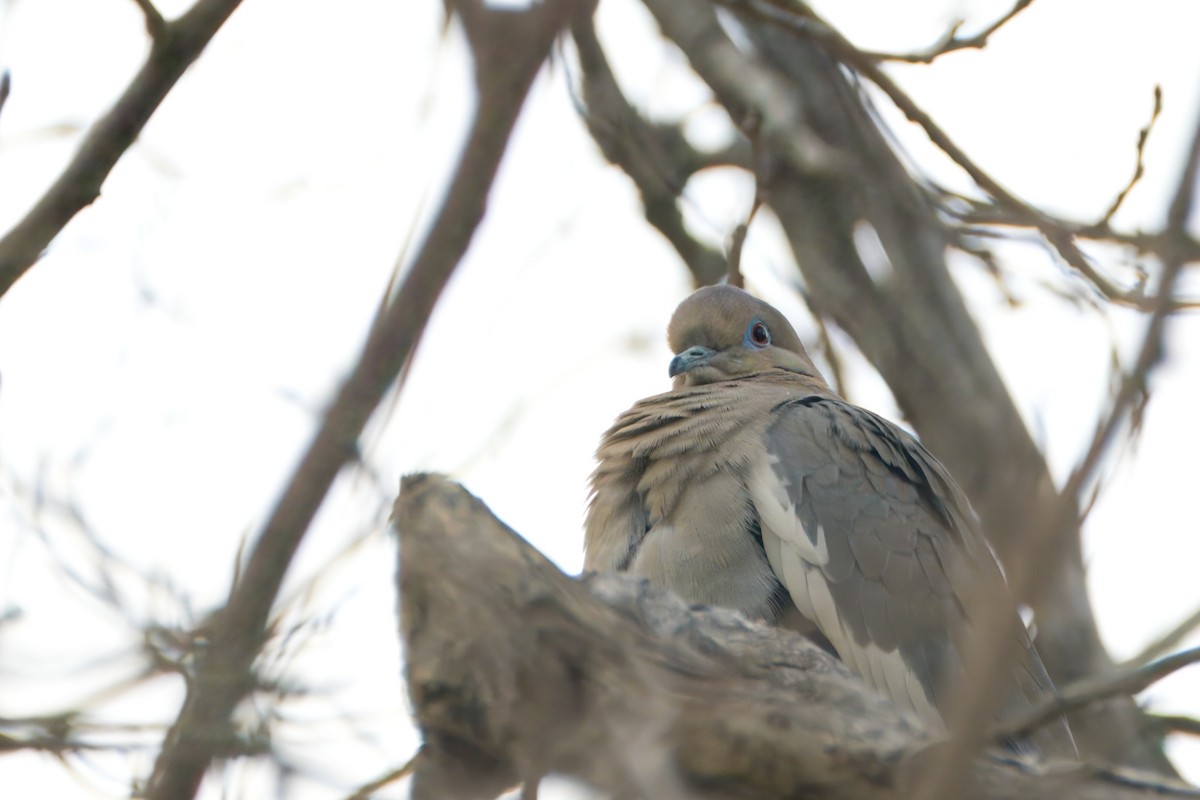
(720, 333)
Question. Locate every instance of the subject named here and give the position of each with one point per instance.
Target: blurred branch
(951, 41)
(508, 49)
(912, 323)
(1085, 692)
(156, 26)
(516, 670)
(987, 654)
(177, 44)
(1168, 641)
(1133, 391)
(5, 87)
(657, 158)
(368, 790)
(1058, 233)
(1172, 723)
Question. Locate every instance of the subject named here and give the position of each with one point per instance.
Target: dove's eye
(758, 335)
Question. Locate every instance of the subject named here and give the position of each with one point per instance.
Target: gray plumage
(753, 486)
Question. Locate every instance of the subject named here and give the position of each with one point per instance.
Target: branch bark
(508, 48)
(516, 671)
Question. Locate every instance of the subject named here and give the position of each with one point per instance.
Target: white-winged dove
(752, 486)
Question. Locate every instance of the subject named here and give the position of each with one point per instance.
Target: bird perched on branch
(752, 486)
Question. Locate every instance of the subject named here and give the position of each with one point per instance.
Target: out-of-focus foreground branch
(829, 172)
(517, 671)
(174, 46)
(508, 49)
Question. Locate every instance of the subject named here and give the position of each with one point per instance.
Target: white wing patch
(797, 561)
(777, 512)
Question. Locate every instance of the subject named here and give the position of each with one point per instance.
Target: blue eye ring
(757, 335)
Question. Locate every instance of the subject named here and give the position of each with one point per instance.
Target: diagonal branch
(509, 48)
(1167, 641)
(177, 45)
(1086, 692)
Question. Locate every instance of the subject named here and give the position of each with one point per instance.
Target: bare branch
(951, 41)
(173, 50)
(1168, 641)
(368, 790)
(1172, 723)
(508, 48)
(1139, 165)
(1086, 692)
(156, 26)
(1132, 390)
(1059, 233)
(5, 87)
(657, 158)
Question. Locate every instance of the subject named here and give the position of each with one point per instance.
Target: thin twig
(1058, 233)
(1088, 691)
(508, 48)
(1139, 166)
(951, 41)
(180, 44)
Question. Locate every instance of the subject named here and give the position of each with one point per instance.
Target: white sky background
(162, 367)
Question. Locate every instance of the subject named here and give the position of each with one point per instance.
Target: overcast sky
(163, 365)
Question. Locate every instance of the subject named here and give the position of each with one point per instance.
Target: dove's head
(719, 333)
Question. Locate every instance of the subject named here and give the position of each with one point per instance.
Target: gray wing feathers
(878, 546)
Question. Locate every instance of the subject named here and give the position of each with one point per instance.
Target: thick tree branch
(516, 671)
(906, 314)
(508, 48)
(173, 49)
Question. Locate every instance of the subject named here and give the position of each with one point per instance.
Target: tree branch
(952, 42)
(657, 158)
(5, 87)
(1168, 641)
(907, 317)
(1087, 692)
(156, 26)
(516, 670)
(173, 49)
(508, 48)
(1139, 166)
